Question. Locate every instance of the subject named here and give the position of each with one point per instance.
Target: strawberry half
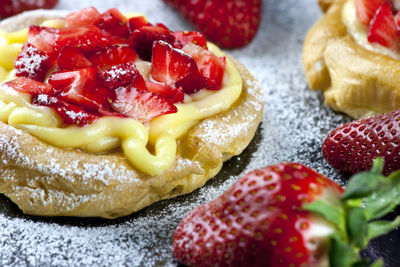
(366, 9)
(352, 147)
(288, 215)
(169, 65)
(32, 63)
(143, 106)
(230, 23)
(32, 87)
(383, 28)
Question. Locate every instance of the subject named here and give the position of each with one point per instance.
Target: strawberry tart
(352, 53)
(103, 114)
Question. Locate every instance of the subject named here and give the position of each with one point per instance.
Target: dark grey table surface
(295, 124)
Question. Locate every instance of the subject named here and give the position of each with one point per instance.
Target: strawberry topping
(366, 9)
(92, 71)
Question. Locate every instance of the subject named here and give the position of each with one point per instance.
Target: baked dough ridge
(50, 181)
(356, 81)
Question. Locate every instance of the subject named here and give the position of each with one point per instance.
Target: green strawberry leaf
(378, 228)
(385, 199)
(357, 227)
(341, 253)
(378, 263)
(364, 184)
(334, 214)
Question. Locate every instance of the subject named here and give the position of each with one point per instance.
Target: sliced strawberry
(29, 86)
(113, 55)
(136, 23)
(71, 114)
(170, 65)
(83, 17)
(366, 9)
(383, 29)
(142, 39)
(121, 75)
(32, 63)
(210, 66)
(80, 87)
(141, 105)
(70, 58)
(114, 22)
(184, 37)
(173, 94)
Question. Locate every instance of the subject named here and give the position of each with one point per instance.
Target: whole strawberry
(352, 147)
(287, 215)
(229, 23)
(13, 7)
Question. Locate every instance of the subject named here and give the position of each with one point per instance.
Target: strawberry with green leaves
(289, 215)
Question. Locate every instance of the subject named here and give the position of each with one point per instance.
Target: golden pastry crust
(50, 181)
(356, 81)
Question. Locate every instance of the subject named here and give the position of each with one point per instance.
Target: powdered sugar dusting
(294, 126)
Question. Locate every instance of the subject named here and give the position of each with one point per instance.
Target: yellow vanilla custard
(159, 135)
(359, 31)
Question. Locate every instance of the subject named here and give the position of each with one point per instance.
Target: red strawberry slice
(32, 63)
(366, 9)
(287, 215)
(113, 55)
(173, 94)
(230, 23)
(80, 87)
(29, 86)
(12, 7)
(71, 114)
(210, 66)
(83, 17)
(352, 147)
(122, 75)
(143, 38)
(184, 37)
(114, 22)
(136, 23)
(170, 65)
(383, 29)
(141, 105)
(70, 58)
